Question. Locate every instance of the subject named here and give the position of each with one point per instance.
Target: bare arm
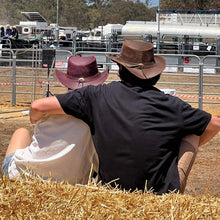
(212, 129)
(44, 106)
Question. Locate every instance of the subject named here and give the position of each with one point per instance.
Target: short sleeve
(195, 120)
(77, 104)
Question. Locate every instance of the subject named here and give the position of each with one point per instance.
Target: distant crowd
(9, 33)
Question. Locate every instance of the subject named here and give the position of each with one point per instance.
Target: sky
(153, 3)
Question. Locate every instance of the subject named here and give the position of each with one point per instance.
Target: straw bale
(33, 198)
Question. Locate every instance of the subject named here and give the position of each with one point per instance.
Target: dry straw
(37, 199)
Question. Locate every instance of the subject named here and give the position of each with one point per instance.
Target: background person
(62, 36)
(2, 32)
(8, 31)
(63, 41)
(14, 34)
(61, 147)
(2, 35)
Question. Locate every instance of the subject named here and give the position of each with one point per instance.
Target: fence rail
(192, 78)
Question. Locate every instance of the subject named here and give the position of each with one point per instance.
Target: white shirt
(62, 148)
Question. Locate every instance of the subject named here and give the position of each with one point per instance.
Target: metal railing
(194, 79)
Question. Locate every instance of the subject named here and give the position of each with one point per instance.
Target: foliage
(73, 13)
(190, 4)
(121, 11)
(92, 13)
(79, 13)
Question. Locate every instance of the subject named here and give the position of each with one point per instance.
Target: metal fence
(25, 78)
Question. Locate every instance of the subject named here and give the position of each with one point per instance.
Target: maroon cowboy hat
(81, 71)
(138, 57)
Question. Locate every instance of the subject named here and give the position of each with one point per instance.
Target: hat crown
(81, 67)
(139, 53)
(81, 71)
(138, 58)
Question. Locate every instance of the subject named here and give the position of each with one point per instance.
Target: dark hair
(127, 77)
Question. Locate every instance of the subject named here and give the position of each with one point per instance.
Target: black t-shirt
(15, 34)
(136, 132)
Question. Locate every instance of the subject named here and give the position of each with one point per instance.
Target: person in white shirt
(61, 147)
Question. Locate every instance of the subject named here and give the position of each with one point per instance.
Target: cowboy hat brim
(75, 83)
(142, 71)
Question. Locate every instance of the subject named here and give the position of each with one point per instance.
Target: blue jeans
(6, 163)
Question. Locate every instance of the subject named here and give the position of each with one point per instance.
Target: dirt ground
(205, 174)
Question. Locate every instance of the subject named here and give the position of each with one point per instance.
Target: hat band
(84, 79)
(81, 80)
(140, 65)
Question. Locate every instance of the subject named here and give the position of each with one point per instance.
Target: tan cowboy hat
(81, 71)
(138, 57)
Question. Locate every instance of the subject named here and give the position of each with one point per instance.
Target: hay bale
(34, 198)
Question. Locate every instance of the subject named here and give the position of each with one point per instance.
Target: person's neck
(147, 86)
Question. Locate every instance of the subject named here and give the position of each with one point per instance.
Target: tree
(73, 13)
(121, 11)
(190, 4)
(13, 10)
(98, 3)
(79, 13)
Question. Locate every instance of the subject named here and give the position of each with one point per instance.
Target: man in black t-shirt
(137, 129)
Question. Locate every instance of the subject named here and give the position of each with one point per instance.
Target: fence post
(108, 47)
(201, 84)
(74, 44)
(180, 58)
(218, 53)
(13, 80)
